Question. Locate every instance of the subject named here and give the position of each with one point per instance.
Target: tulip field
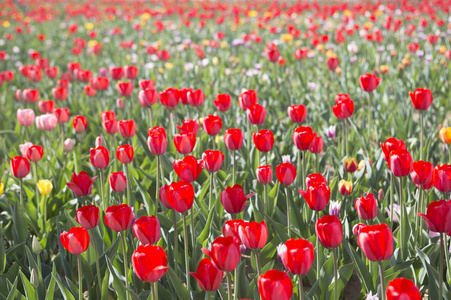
(264, 149)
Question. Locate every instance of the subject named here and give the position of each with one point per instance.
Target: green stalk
(257, 261)
(440, 275)
(192, 226)
(418, 209)
(420, 224)
(124, 252)
(80, 283)
(97, 261)
(185, 232)
(151, 116)
(248, 135)
(157, 191)
(155, 290)
(21, 193)
(229, 286)
(401, 222)
(234, 168)
(299, 168)
(265, 205)
(300, 288)
(235, 277)
(346, 137)
(334, 251)
(445, 245)
(288, 211)
(392, 192)
(45, 212)
(129, 187)
(304, 163)
(210, 203)
(318, 267)
(105, 205)
(176, 247)
(421, 138)
(209, 294)
(317, 162)
(381, 271)
(36, 185)
(369, 117)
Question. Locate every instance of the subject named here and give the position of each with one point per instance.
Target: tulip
(81, 184)
(100, 157)
(196, 98)
(303, 137)
(329, 231)
(150, 263)
(130, 72)
(62, 115)
(441, 177)
(118, 182)
(46, 107)
(286, 173)
(147, 230)
(32, 96)
(390, 145)
(400, 163)
(366, 207)
(402, 289)
(119, 217)
(125, 88)
(233, 138)
(275, 285)
(297, 256)
(316, 146)
(421, 172)
(208, 276)
(247, 98)
(333, 63)
(212, 124)
(297, 113)
(421, 99)
(231, 229)
(124, 154)
(163, 196)
(350, 164)
(100, 141)
(100, 83)
(263, 140)
(369, 82)
(88, 216)
(256, 114)
(213, 160)
(45, 187)
(80, 123)
(127, 128)
(225, 253)
(315, 178)
(223, 102)
(180, 196)
(253, 234)
(445, 135)
(191, 126)
(35, 153)
(20, 167)
(184, 142)
(46, 122)
(146, 84)
(273, 55)
(59, 93)
(188, 168)
(264, 174)
(147, 97)
(183, 93)
(170, 98)
(317, 196)
(76, 241)
(120, 104)
(157, 140)
(233, 199)
(116, 73)
(68, 145)
(345, 187)
(25, 117)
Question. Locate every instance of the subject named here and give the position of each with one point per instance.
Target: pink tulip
(25, 117)
(46, 122)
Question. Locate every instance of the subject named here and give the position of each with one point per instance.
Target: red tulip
(303, 137)
(146, 84)
(212, 124)
(392, 144)
(263, 140)
(315, 178)
(188, 168)
(119, 217)
(256, 114)
(344, 107)
(59, 93)
(421, 99)
(80, 123)
(32, 96)
(317, 195)
(170, 98)
(233, 138)
(329, 231)
(286, 173)
(273, 55)
(89, 91)
(350, 164)
(213, 160)
(222, 102)
(116, 73)
(20, 166)
(125, 88)
(110, 126)
(208, 276)
(317, 144)
(376, 242)
(247, 98)
(149, 262)
(183, 92)
(107, 116)
(127, 128)
(130, 72)
(180, 196)
(62, 115)
(184, 142)
(225, 253)
(297, 256)
(100, 157)
(196, 98)
(233, 199)
(275, 285)
(189, 126)
(333, 63)
(51, 72)
(163, 195)
(421, 172)
(46, 107)
(35, 153)
(402, 289)
(264, 174)
(100, 83)
(124, 154)
(366, 207)
(442, 178)
(76, 241)
(230, 228)
(118, 182)
(438, 216)
(88, 216)
(297, 113)
(147, 230)
(147, 97)
(253, 235)
(400, 163)
(81, 183)
(369, 82)
(157, 140)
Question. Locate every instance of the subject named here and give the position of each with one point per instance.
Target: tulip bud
(345, 187)
(350, 165)
(334, 208)
(100, 141)
(34, 278)
(380, 195)
(35, 246)
(45, 187)
(120, 104)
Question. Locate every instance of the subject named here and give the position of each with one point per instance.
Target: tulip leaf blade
(180, 289)
(64, 291)
(432, 274)
(28, 288)
(362, 271)
(118, 279)
(207, 229)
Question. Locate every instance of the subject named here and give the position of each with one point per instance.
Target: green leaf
(66, 293)
(207, 229)
(13, 292)
(118, 280)
(29, 289)
(432, 274)
(180, 289)
(362, 271)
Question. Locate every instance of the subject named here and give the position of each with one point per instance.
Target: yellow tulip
(89, 26)
(2, 187)
(45, 187)
(345, 187)
(445, 135)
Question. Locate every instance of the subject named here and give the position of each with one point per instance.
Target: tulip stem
(369, 117)
(248, 135)
(229, 286)
(210, 202)
(235, 284)
(97, 261)
(300, 288)
(288, 211)
(151, 116)
(155, 290)
(257, 261)
(44, 221)
(185, 232)
(21, 193)
(317, 162)
(318, 267)
(157, 191)
(401, 222)
(392, 192)
(304, 163)
(334, 251)
(192, 226)
(209, 293)
(346, 137)
(124, 252)
(105, 205)
(421, 137)
(440, 275)
(36, 186)
(129, 187)
(265, 205)
(176, 247)
(381, 271)
(298, 179)
(234, 168)
(419, 205)
(80, 283)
